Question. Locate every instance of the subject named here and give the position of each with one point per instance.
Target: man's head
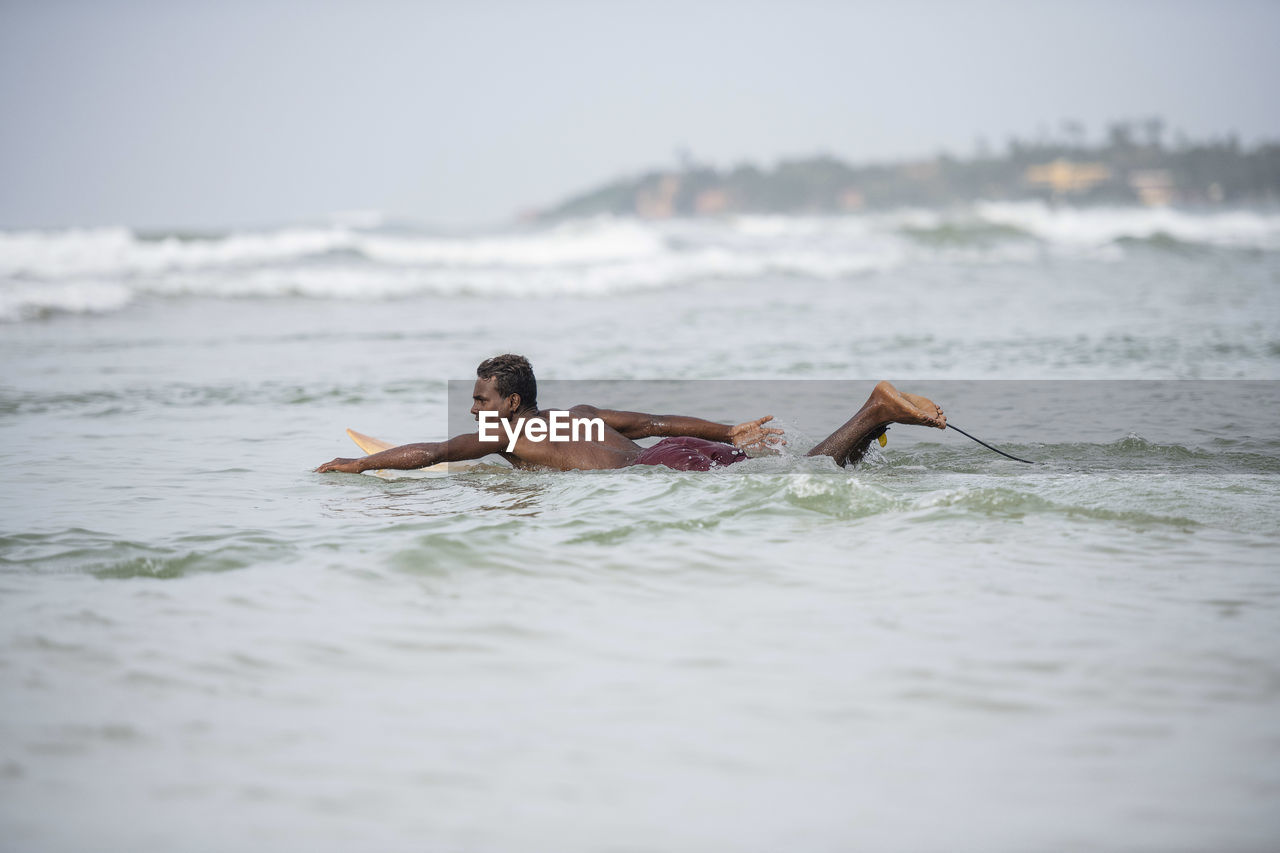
(504, 384)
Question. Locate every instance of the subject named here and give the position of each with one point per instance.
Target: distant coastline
(1133, 166)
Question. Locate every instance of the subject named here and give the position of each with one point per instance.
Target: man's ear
(514, 402)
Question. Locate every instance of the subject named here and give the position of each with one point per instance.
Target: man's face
(485, 398)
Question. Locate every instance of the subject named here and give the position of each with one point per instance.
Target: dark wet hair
(512, 374)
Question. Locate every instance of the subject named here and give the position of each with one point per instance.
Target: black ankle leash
(987, 446)
(881, 439)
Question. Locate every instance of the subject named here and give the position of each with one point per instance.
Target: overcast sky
(245, 113)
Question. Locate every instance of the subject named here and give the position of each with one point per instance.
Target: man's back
(580, 441)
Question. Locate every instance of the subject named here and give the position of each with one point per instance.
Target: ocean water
(204, 645)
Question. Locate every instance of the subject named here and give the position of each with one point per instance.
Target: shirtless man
(505, 386)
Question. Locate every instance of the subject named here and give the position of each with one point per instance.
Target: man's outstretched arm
(640, 425)
(408, 457)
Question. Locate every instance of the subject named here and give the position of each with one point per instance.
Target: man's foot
(902, 408)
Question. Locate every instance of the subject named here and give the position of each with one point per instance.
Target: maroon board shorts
(685, 453)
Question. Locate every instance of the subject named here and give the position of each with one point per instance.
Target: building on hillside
(1063, 177)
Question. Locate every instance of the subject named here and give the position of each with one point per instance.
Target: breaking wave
(100, 270)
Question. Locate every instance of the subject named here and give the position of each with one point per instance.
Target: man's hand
(753, 434)
(345, 466)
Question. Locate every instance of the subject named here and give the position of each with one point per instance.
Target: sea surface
(205, 646)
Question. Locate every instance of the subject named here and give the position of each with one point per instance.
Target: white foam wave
(26, 301)
(1068, 226)
(1060, 227)
(357, 282)
(93, 270)
(118, 252)
(569, 244)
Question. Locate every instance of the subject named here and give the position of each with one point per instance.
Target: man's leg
(886, 405)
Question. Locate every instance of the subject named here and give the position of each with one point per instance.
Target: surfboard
(369, 444)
